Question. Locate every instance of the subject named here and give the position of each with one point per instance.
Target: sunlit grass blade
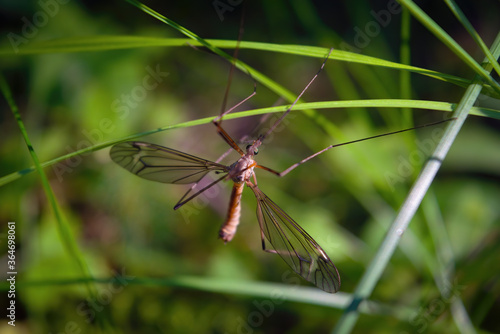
(407, 211)
(382, 103)
(103, 43)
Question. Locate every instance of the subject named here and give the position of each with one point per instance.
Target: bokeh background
(345, 199)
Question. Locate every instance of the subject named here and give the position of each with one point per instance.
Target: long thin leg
(292, 167)
(231, 69)
(183, 201)
(245, 137)
(228, 138)
(296, 100)
(218, 120)
(263, 240)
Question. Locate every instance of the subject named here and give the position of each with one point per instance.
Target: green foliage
(103, 251)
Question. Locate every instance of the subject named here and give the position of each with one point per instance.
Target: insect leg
(292, 167)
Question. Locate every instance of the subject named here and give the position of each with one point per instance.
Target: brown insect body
(241, 172)
(280, 234)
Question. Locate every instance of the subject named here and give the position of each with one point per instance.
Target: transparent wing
(295, 246)
(162, 164)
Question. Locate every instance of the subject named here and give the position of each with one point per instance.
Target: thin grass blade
(381, 259)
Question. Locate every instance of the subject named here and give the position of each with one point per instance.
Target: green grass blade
(473, 33)
(260, 77)
(91, 44)
(64, 230)
(437, 31)
(405, 58)
(411, 204)
(382, 103)
(180, 28)
(104, 43)
(302, 294)
(445, 264)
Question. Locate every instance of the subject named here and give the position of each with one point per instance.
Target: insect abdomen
(228, 229)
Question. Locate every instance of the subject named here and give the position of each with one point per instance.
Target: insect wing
(299, 250)
(162, 164)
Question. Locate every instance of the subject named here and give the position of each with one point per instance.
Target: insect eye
(255, 150)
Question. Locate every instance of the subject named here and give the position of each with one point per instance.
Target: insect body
(301, 252)
(286, 238)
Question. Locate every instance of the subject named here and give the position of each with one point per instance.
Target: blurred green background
(345, 199)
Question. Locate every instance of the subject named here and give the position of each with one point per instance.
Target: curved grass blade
(374, 271)
(447, 40)
(103, 43)
(67, 239)
(459, 14)
(385, 103)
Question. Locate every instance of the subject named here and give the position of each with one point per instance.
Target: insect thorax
(242, 169)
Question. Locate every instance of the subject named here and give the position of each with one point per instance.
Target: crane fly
(285, 237)
(280, 234)
(299, 250)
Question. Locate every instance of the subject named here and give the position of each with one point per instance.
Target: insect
(285, 237)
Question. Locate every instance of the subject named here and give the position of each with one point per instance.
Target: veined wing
(162, 164)
(299, 250)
